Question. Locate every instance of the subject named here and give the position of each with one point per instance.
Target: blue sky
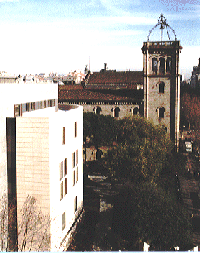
(61, 36)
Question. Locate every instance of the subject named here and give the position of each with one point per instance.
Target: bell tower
(162, 80)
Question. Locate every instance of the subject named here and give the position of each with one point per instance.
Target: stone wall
(119, 110)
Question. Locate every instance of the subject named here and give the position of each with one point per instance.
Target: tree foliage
(143, 163)
(148, 214)
(140, 153)
(100, 129)
(190, 110)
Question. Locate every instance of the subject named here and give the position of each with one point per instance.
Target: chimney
(105, 66)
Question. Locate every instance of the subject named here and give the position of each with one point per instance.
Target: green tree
(100, 129)
(143, 164)
(147, 214)
(140, 153)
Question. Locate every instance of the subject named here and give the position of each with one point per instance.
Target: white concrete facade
(42, 154)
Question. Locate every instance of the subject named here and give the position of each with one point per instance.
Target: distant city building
(41, 156)
(195, 78)
(7, 78)
(72, 78)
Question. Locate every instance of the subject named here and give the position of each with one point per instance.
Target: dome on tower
(166, 32)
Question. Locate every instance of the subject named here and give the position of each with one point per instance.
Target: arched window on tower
(98, 110)
(162, 66)
(161, 112)
(154, 65)
(135, 111)
(168, 65)
(161, 87)
(116, 112)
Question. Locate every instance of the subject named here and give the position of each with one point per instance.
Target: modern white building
(41, 156)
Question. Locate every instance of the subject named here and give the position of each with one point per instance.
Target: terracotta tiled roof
(85, 95)
(126, 79)
(104, 86)
(71, 87)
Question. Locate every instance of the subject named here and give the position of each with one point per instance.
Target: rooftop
(111, 79)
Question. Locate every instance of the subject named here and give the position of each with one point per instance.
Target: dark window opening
(63, 136)
(154, 65)
(65, 186)
(75, 129)
(161, 87)
(135, 111)
(27, 107)
(98, 110)
(162, 66)
(73, 159)
(168, 65)
(99, 153)
(116, 112)
(75, 204)
(161, 112)
(65, 166)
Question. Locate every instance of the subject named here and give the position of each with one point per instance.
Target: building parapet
(161, 45)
